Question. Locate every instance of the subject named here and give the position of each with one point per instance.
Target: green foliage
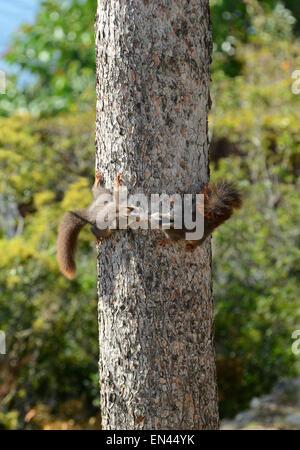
(49, 322)
(257, 255)
(236, 21)
(58, 49)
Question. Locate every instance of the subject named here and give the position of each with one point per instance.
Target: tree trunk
(157, 361)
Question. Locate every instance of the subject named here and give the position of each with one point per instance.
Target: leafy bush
(50, 323)
(257, 255)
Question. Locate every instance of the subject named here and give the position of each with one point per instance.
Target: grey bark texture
(157, 361)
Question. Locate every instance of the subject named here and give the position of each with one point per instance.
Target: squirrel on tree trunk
(220, 199)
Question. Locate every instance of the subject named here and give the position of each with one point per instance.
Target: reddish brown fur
(68, 231)
(220, 200)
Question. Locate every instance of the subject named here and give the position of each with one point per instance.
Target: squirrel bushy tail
(220, 199)
(68, 231)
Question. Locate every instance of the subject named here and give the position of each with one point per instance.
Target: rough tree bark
(157, 362)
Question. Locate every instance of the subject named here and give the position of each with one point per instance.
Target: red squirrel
(220, 200)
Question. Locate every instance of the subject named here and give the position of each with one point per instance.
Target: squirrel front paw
(98, 178)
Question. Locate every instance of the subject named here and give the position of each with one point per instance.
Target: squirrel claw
(98, 178)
